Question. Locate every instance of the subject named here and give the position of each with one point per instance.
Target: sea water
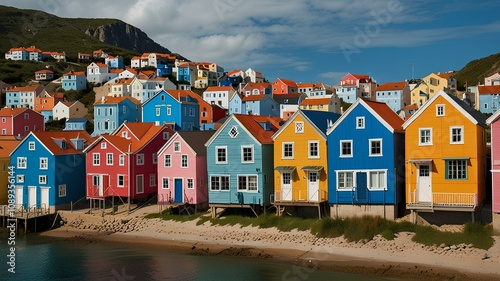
(42, 258)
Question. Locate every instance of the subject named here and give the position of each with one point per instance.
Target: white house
(219, 95)
(68, 110)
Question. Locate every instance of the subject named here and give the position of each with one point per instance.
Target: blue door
(178, 191)
(361, 188)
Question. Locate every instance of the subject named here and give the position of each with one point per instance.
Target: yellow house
(300, 160)
(7, 145)
(330, 103)
(428, 87)
(445, 156)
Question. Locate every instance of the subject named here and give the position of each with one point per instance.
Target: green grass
(353, 229)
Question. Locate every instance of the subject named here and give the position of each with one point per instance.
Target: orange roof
(315, 101)
(488, 90)
(77, 73)
(410, 107)
(135, 58)
(361, 76)
(48, 137)
(100, 64)
(258, 85)
(116, 100)
(7, 111)
(386, 113)
(7, 145)
(198, 98)
(67, 103)
(116, 70)
(306, 85)
(289, 83)
(44, 71)
(187, 64)
(123, 81)
(446, 75)
(24, 89)
(17, 49)
(149, 73)
(251, 123)
(234, 72)
(216, 88)
(391, 86)
(253, 97)
(33, 49)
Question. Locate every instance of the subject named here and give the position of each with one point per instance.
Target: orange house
(445, 156)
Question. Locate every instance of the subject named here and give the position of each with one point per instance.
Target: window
(360, 122)
(166, 135)
(125, 134)
(26, 128)
(158, 111)
(345, 180)
(165, 182)
(21, 162)
(287, 150)
(247, 183)
(425, 136)
(109, 158)
(20, 178)
(346, 148)
(233, 133)
(120, 181)
(299, 127)
(62, 190)
(139, 183)
(456, 135)
(169, 110)
(121, 160)
(103, 145)
(375, 147)
(184, 161)
(221, 154)
(96, 159)
(26, 116)
(31, 145)
(439, 109)
(42, 179)
(154, 158)
(96, 180)
(246, 154)
(219, 183)
(140, 159)
(190, 183)
(152, 179)
(456, 169)
(313, 151)
(167, 161)
(44, 163)
(177, 146)
(377, 180)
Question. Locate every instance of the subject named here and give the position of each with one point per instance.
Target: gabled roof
(234, 72)
(116, 100)
(493, 117)
(476, 117)
(361, 76)
(48, 140)
(446, 75)
(318, 120)
(7, 145)
(77, 73)
(288, 99)
(195, 139)
(219, 89)
(44, 71)
(253, 97)
(305, 85)
(8, 111)
(25, 89)
(287, 82)
(315, 101)
(391, 86)
(488, 90)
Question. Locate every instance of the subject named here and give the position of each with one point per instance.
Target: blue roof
(76, 120)
(321, 118)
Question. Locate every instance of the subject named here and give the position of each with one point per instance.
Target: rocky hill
(475, 71)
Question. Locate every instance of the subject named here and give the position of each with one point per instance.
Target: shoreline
(400, 258)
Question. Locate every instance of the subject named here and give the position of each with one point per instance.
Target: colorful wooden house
(7, 145)
(445, 156)
(49, 169)
(300, 160)
(74, 80)
(111, 112)
(240, 162)
(284, 86)
(182, 169)
(494, 122)
(20, 121)
(366, 162)
(124, 164)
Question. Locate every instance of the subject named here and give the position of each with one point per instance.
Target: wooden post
(113, 204)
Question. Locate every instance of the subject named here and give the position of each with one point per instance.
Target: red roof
(488, 90)
(361, 76)
(252, 124)
(386, 113)
(253, 97)
(48, 137)
(144, 131)
(289, 83)
(24, 89)
(390, 86)
(234, 72)
(306, 85)
(44, 71)
(315, 101)
(7, 111)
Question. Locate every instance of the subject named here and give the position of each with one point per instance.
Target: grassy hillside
(476, 70)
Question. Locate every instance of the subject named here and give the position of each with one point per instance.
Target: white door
(32, 197)
(424, 183)
(286, 186)
(312, 187)
(99, 186)
(19, 196)
(44, 198)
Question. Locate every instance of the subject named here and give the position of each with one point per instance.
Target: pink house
(123, 164)
(20, 121)
(494, 122)
(182, 170)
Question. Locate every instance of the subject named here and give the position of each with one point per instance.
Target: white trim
(283, 150)
(247, 176)
(118, 182)
(368, 180)
(352, 149)
(444, 110)
(168, 183)
(292, 120)
(420, 143)
(309, 149)
(187, 161)
(112, 159)
(217, 155)
(360, 118)
(218, 175)
(242, 154)
(337, 180)
(462, 135)
(370, 148)
(136, 183)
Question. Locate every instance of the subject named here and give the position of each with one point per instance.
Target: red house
(20, 121)
(284, 86)
(123, 164)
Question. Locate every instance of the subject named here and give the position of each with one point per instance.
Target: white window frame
(108, 162)
(121, 160)
(31, 145)
(420, 130)
(42, 179)
(338, 173)
(220, 182)
(177, 146)
(370, 144)
(438, 107)
(44, 163)
(217, 155)
(163, 181)
(246, 189)
(341, 149)
(184, 161)
(22, 162)
(371, 186)
(96, 180)
(20, 178)
(169, 158)
(358, 124)
(96, 159)
(461, 134)
(118, 180)
(283, 156)
(103, 145)
(309, 155)
(137, 181)
(139, 160)
(190, 183)
(299, 127)
(243, 147)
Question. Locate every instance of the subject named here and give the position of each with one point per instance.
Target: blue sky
(309, 41)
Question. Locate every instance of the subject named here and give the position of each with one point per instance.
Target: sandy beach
(400, 258)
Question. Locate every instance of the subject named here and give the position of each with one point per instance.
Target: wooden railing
(446, 199)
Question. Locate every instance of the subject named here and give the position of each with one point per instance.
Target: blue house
(49, 169)
(489, 98)
(261, 104)
(115, 62)
(187, 72)
(75, 124)
(366, 149)
(111, 112)
(236, 105)
(240, 162)
(163, 70)
(173, 106)
(74, 80)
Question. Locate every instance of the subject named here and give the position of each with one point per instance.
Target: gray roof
(197, 139)
(481, 119)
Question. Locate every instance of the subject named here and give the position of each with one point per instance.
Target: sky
(308, 41)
